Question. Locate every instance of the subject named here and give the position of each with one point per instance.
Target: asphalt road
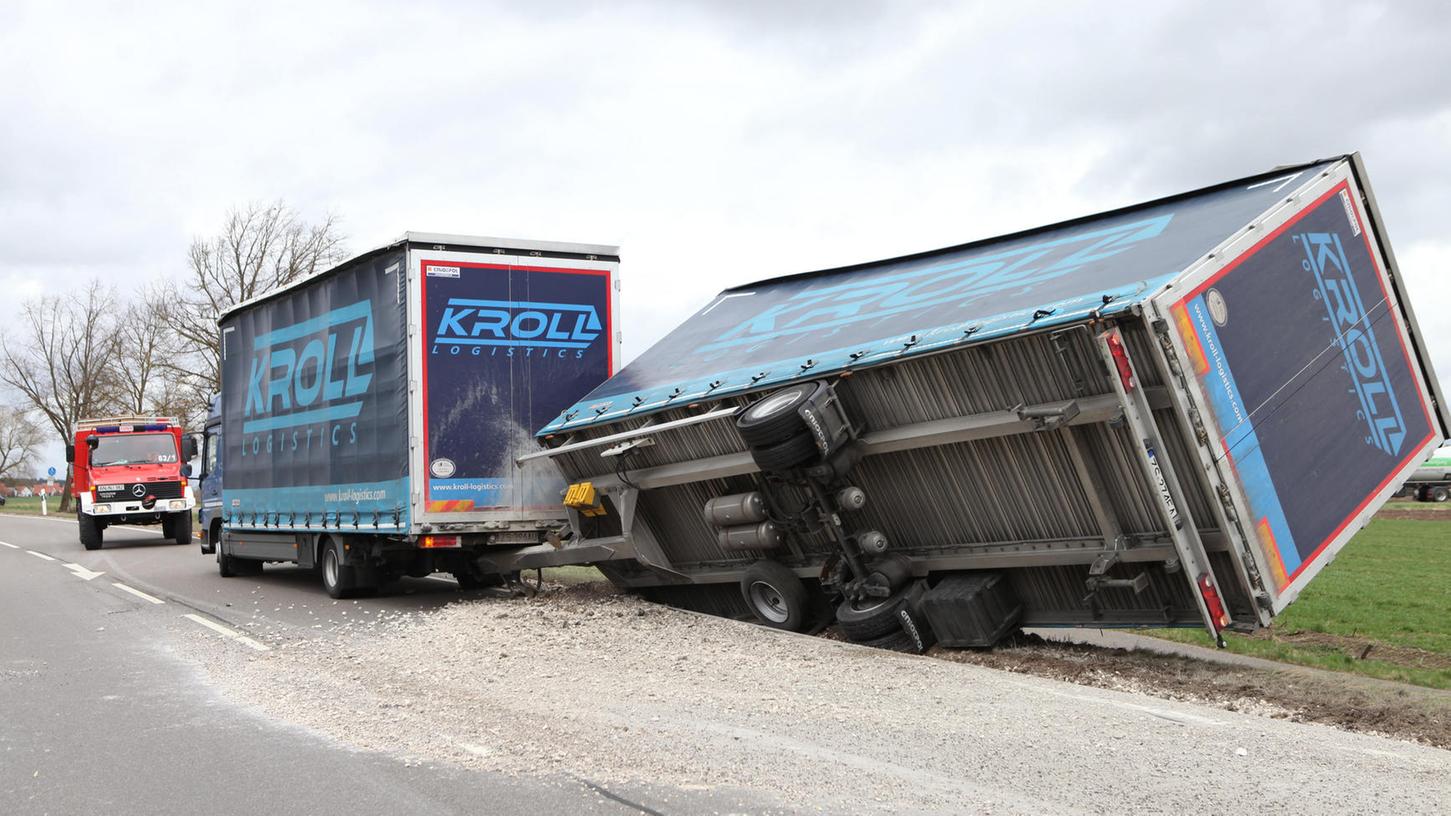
(99, 714)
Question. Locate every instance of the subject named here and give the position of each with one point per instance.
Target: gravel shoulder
(616, 691)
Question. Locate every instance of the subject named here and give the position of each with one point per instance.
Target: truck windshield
(133, 449)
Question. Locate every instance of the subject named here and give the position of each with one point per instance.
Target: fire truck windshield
(133, 449)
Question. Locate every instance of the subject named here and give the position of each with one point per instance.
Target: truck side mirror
(188, 447)
(70, 454)
(186, 469)
(92, 441)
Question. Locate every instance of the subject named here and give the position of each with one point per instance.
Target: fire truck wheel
(167, 523)
(90, 531)
(181, 528)
(339, 579)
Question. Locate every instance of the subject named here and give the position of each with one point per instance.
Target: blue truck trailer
(1171, 414)
(370, 415)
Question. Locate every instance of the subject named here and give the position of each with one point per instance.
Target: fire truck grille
(128, 492)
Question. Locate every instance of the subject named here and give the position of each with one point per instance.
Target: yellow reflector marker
(583, 497)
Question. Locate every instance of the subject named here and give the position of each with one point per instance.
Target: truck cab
(209, 513)
(131, 470)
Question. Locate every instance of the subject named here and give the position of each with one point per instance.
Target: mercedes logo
(138, 491)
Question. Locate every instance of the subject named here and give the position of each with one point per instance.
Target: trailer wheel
(904, 640)
(773, 418)
(797, 450)
(876, 618)
(1438, 494)
(775, 596)
(90, 531)
(339, 579)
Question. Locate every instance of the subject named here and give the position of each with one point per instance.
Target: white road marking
(11, 546)
(138, 593)
(228, 632)
(83, 573)
(65, 520)
(443, 578)
(40, 555)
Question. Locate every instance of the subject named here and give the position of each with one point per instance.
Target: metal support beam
(1159, 472)
(987, 425)
(1091, 479)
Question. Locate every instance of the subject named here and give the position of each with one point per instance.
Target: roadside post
(49, 482)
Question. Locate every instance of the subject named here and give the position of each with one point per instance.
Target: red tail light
(1121, 361)
(433, 542)
(1213, 603)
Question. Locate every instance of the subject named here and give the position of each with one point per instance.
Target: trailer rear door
(1303, 361)
(508, 342)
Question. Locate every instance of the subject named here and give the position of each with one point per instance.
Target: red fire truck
(132, 470)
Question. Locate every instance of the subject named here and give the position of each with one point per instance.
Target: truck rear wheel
(180, 528)
(775, 596)
(1438, 494)
(339, 579)
(90, 531)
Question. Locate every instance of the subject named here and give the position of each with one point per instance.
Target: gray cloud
(717, 142)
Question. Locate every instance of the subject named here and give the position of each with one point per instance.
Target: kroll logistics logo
(1337, 292)
(514, 328)
(307, 382)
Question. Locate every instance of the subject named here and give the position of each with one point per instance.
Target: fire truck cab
(132, 470)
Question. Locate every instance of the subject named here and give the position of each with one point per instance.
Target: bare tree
(143, 340)
(259, 249)
(19, 438)
(63, 359)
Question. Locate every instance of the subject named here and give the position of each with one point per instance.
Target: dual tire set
(779, 440)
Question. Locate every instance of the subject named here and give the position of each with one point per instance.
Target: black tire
(904, 640)
(339, 579)
(798, 450)
(181, 528)
(167, 523)
(230, 566)
(865, 621)
(775, 596)
(1438, 494)
(773, 418)
(90, 531)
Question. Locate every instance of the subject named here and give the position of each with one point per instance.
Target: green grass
(1390, 586)
(29, 506)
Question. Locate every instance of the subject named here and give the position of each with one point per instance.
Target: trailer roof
(551, 249)
(818, 323)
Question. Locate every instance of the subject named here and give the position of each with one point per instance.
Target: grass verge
(30, 506)
(1381, 609)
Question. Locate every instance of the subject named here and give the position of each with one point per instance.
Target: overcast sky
(716, 142)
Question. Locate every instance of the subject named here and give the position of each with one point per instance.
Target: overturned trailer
(1172, 414)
